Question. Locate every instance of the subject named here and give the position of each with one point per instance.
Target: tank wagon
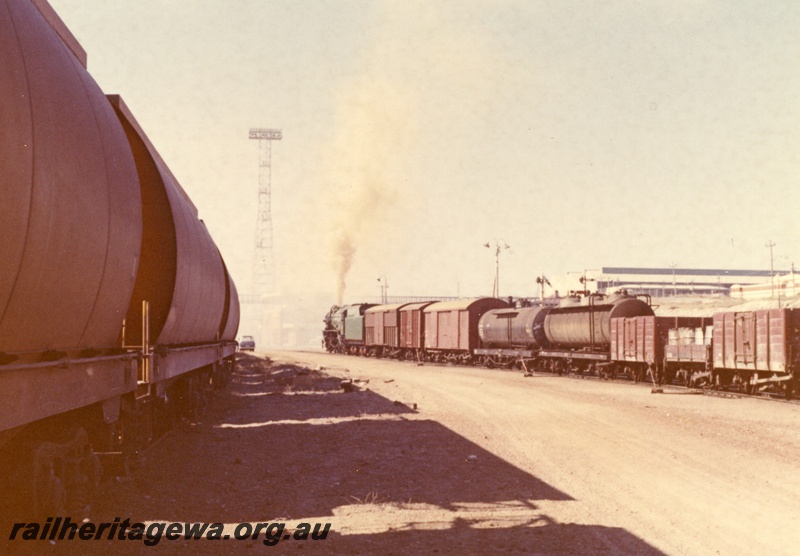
(116, 309)
(486, 331)
(609, 336)
(579, 331)
(511, 334)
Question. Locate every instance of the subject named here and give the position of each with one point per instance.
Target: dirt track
(615, 467)
(488, 462)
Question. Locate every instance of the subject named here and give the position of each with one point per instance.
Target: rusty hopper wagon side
(754, 349)
(451, 328)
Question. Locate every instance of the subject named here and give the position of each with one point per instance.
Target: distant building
(783, 287)
(664, 282)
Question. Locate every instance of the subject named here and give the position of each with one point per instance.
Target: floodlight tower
(264, 282)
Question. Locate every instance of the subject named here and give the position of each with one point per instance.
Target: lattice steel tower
(264, 282)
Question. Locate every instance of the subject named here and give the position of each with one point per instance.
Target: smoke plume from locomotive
(371, 134)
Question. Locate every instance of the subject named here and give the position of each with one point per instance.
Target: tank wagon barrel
(116, 308)
(588, 326)
(511, 336)
(507, 328)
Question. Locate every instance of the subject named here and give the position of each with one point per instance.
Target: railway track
(676, 388)
(665, 388)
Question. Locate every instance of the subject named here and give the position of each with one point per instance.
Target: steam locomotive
(607, 336)
(117, 312)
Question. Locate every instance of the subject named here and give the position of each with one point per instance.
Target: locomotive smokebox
(588, 325)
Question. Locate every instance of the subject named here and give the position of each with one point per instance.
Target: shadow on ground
(285, 444)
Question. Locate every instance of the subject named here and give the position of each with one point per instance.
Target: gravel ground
(435, 459)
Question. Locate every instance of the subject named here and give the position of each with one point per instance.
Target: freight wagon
(755, 349)
(382, 330)
(606, 336)
(640, 345)
(451, 328)
(117, 312)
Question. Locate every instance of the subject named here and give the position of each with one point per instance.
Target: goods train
(116, 309)
(590, 334)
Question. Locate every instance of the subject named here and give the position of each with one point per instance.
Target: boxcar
(451, 328)
(382, 329)
(412, 329)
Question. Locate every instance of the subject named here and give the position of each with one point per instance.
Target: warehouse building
(664, 282)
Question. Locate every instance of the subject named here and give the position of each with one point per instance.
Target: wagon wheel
(660, 373)
(58, 498)
(49, 494)
(543, 365)
(748, 386)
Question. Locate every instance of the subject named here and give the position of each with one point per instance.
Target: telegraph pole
(674, 290)
(496, 287)
(771, 244)
(384, 286)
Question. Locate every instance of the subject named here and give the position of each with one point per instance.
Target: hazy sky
(583, 134)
